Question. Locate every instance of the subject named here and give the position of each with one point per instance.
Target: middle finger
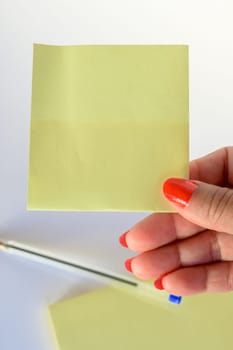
(200, 249)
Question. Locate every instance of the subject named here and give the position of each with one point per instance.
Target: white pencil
(42, 257)
(37, 255)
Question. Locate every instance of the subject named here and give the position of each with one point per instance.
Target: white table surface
(27, 288)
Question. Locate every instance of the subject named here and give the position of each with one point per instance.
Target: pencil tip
(2, 245)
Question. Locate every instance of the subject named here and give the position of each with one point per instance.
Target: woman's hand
(190, 251)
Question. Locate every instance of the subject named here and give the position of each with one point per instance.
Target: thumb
(206, 205)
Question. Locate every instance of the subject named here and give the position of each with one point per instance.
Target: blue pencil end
(174, 299)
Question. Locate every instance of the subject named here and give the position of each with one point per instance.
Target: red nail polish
(122, 240)
(179, 191)
(158, 284)
(128, 264)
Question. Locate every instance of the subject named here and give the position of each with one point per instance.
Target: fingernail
(158, 284)
(179, 191)
(128, 264)
(122, 240)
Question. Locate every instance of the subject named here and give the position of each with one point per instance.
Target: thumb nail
(179, 191)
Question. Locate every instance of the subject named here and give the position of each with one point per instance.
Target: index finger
(159, 229)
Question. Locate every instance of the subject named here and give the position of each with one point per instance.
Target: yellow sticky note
(109, 123)
(112, 319)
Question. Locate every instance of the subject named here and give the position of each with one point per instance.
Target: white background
(27, 288)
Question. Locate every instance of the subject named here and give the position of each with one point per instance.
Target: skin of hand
(190, 251)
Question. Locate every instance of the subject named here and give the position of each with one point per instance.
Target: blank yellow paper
(108, 124)
(110, 319)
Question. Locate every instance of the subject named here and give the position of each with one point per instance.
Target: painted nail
(179, 191)
(128, 264)
(158, 284)
(122, 240)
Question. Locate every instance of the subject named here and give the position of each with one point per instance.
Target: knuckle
(220, 205)
(214, 248)
(229, 277)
